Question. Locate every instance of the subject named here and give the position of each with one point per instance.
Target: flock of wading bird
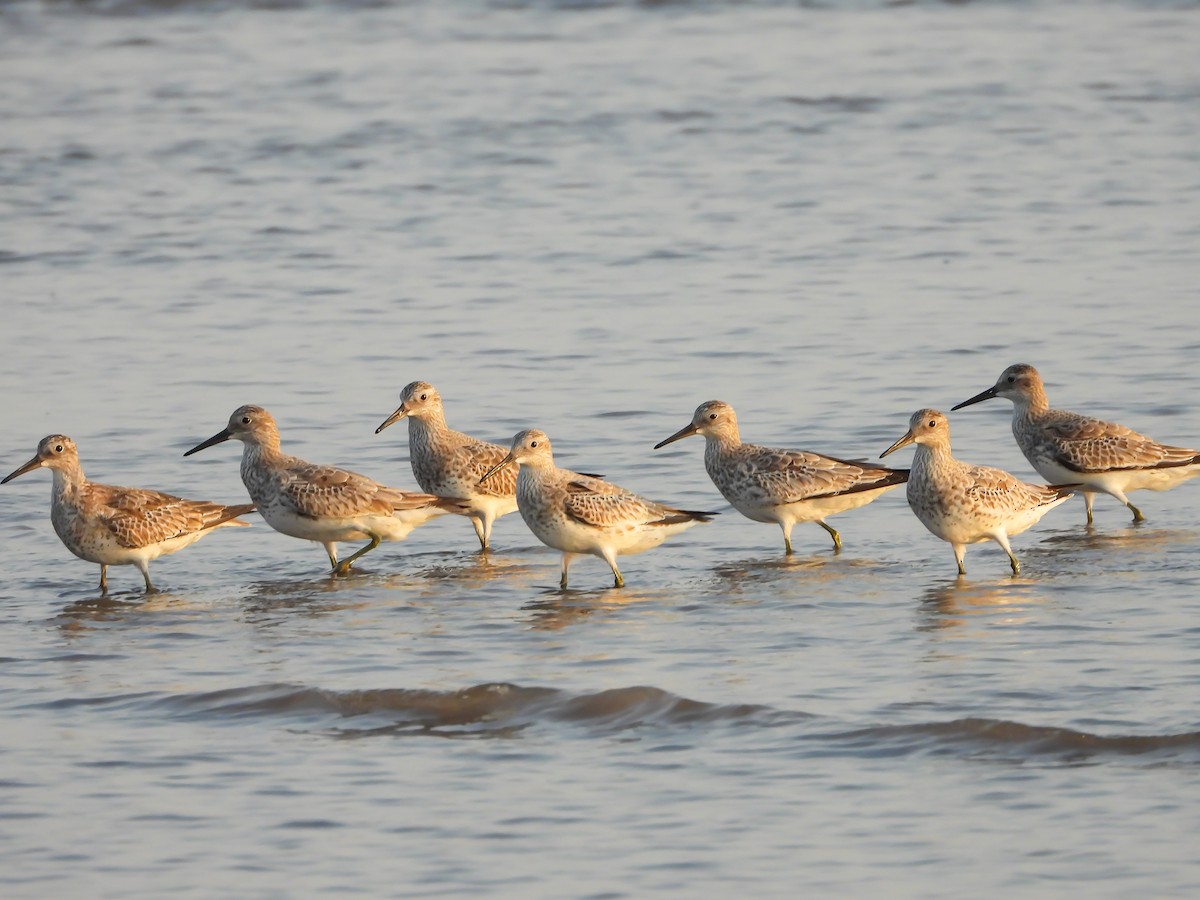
(578, 513)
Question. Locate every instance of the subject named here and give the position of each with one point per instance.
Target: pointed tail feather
(686, 515)
(453, 505)
(888, 475)
(229, 515)
(891, 478)
(1062, 490)
(1178, 463)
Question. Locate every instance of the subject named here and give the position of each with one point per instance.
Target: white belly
(1116, 481)
(395, 527)
(570, 536)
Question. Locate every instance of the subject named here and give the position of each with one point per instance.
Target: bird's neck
(68, 482)
(723, 442)
(428, 427)
(933, 462)
(1031, 404)
(260, 451)
(535, 471)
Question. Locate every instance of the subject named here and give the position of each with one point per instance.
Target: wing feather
(138, 517)
(317, 491)
(789, 476)
(997, 489)
(603, 504)
(1084, 444)
(475, 458)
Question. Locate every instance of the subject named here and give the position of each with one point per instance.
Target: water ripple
(504, 710)
(487, 705)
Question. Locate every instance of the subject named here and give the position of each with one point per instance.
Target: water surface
(589, 218)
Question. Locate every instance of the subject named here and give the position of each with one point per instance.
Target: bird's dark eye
(58, 448)
(533, 443)
(1012, 378)
(933, 423)
(422, 396)
(712, 416)
(245, 420)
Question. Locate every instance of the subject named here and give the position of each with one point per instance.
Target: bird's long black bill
(34, 463)
(219, 437)
(392, 419)
(687, 431)
(978, 398)
(496, 468)
(903, 442)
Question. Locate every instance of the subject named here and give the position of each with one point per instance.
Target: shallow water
(589, 218)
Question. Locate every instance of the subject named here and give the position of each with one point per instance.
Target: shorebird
(1102, 456)
(120, 526)
(319, 503)
(578, 513)
(451, 464)
(767, 484)
(964, 504)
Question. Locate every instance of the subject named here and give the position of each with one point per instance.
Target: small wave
(483, 707)
(503, 710)
(147, 7)
(1002, 739)
(838, 102)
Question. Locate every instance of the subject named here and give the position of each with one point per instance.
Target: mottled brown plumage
(112, 525)
(322, 503)
(965, 504)
(1102, 456)
(768, 484)
(449, 463)
(578, 513)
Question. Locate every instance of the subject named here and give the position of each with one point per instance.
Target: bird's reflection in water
(954, 602)
(418, 581)
(1093, 548)
(315, 596)
(1121, 553)
(557, 608)
(475, 571)
(734, 578)
(118, 608)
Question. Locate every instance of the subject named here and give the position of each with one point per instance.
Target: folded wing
(1084, 444)
(603, 505)
(789, 476)
(317, 491)
(138, 517)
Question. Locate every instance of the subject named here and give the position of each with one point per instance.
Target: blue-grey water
(589, 218)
